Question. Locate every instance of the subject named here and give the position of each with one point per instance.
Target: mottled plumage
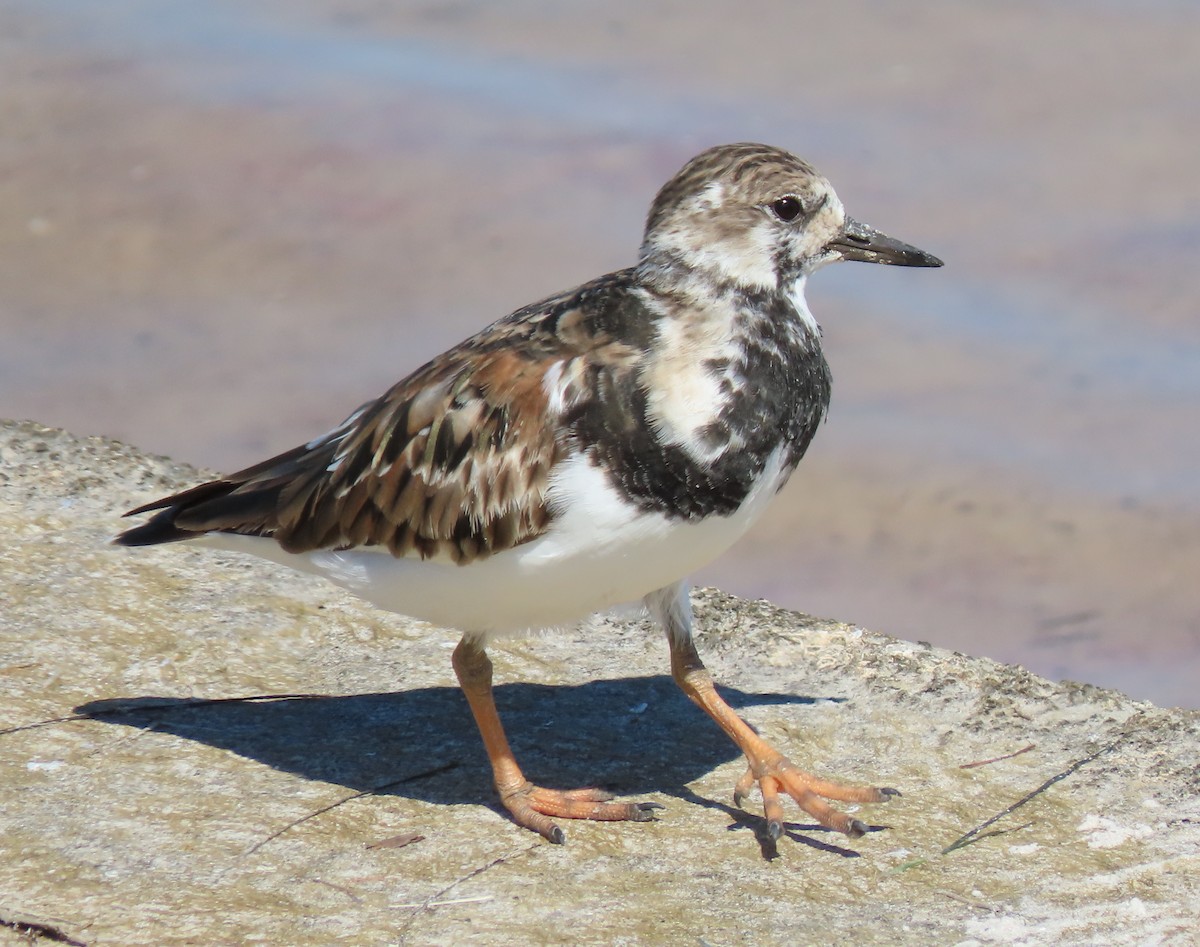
(591, 448)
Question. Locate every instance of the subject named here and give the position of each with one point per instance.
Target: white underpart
(599, 552)
(800, 304)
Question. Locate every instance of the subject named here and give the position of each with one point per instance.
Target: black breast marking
(776, 396)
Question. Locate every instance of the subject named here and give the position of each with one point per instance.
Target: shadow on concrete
(632, 735)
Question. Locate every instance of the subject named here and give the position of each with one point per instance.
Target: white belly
(599, 552)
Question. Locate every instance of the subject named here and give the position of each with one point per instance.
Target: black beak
(860, 242)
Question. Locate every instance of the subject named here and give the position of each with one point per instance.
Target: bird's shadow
(630, 735)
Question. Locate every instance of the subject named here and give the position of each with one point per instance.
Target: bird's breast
(689, 432)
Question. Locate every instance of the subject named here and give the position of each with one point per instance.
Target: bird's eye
(787, 208)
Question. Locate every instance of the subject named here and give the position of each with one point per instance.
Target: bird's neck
(675, 274)
(727, 307)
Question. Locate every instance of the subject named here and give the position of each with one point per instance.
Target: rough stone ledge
(147, 799)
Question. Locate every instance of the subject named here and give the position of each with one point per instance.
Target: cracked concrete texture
(145, 801)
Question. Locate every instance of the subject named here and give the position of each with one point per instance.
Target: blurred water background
(224, 225)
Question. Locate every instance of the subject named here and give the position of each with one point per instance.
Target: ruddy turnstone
(591, 449)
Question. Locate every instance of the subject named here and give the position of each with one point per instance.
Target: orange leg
(773, 772)
(530, 805)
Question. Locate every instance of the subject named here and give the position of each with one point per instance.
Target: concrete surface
(201, 749)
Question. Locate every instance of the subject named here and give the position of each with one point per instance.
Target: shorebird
(590, 449)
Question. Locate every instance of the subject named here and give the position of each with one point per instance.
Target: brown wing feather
(453, 461)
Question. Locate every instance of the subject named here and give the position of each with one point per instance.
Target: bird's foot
(534, 806)
(779, 774)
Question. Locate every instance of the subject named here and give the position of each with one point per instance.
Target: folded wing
(454, 462)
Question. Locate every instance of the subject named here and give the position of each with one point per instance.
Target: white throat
(795, 296)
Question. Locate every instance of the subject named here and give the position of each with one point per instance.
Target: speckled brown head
(759, 218)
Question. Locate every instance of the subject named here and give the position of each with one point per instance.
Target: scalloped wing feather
(453, 462)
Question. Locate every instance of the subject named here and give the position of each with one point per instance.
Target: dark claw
(774, 829)
(644, 811)
(738, 799)
(858, 829)
(556, 836)
(889, 793)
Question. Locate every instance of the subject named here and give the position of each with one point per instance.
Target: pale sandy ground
(222, 229)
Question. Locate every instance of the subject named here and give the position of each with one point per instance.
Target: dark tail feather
(157, 529)
(244, 502)
(216, 506)
(161, 528)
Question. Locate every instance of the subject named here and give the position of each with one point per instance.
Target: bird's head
(759, 218)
